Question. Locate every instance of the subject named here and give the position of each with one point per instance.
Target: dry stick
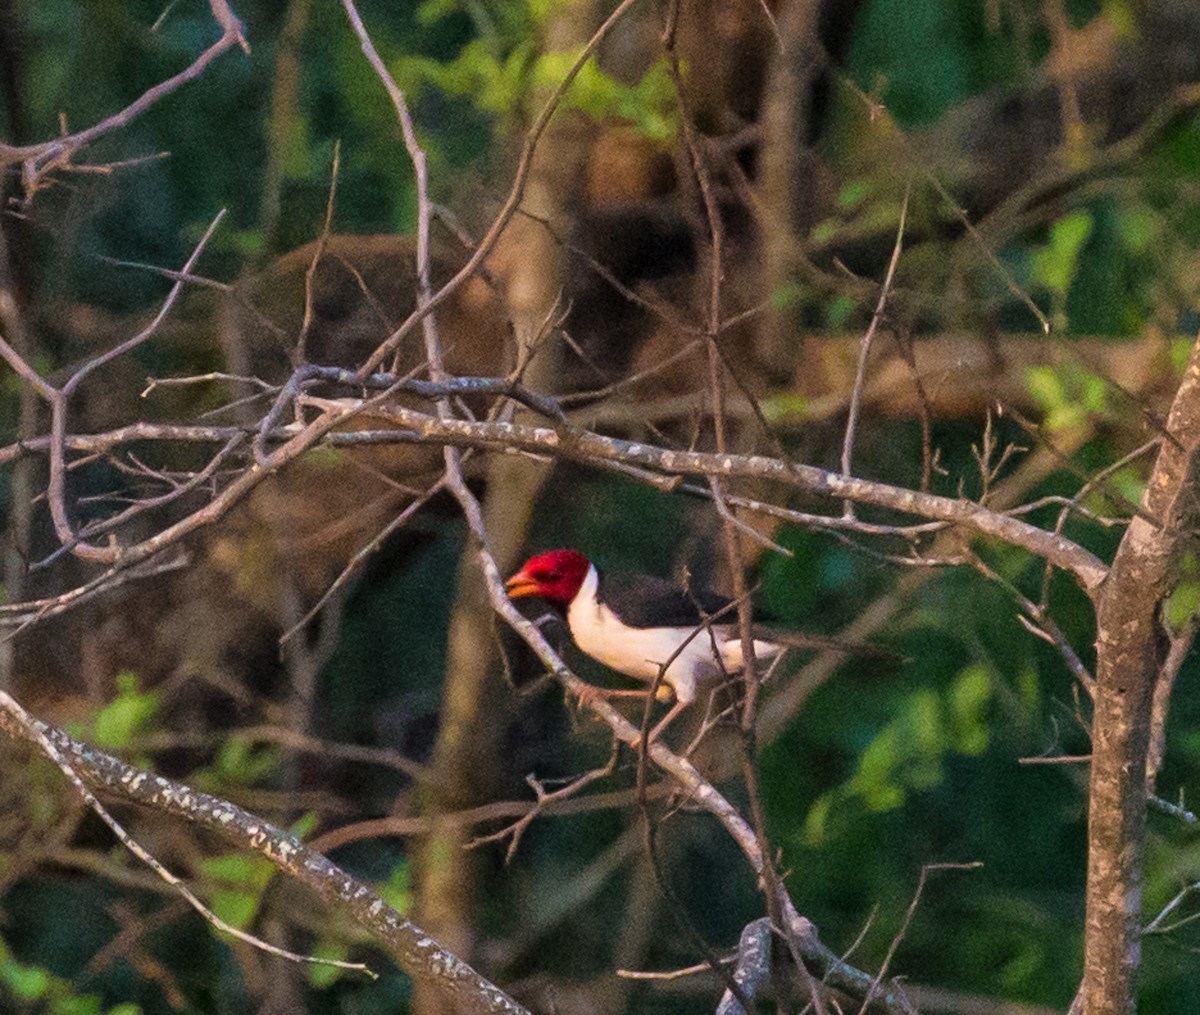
(716, 387)
(361, 556)
(416, 154)
(876, 110)
(565, 442)
(234, 493)
(1100, 479)
(268, 463)
(426, 299)
(100, 443)
(318, 253)
(585, 446)
(147, 504)
(415, 952)
(37, 158)
(405, 827)
(908, 915)
(19, 617)
(543, 800)
(864, 352)
(425, 295)
(1039, 624)
(808, 520)
(663, 312)
(1181, 647)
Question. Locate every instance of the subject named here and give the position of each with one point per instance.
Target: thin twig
(864, 352)
(36, 736)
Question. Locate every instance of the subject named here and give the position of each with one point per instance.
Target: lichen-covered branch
(414, 951)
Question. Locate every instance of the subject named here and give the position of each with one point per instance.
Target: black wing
(645, 601)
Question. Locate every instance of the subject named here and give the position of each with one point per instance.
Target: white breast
(641, 652)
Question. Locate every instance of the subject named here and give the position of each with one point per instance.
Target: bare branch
(38, 159)
(415, 951)
(860, 375)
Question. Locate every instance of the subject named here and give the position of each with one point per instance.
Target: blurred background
(1046, 156)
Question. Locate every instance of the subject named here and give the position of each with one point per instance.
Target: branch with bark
(414, 951)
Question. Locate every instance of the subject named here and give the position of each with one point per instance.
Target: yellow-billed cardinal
(637, 624)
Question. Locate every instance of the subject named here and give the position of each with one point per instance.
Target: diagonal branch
(39, 158)
(419, 955)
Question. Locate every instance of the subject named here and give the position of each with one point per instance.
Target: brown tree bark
(476, 705)
(1131, 649)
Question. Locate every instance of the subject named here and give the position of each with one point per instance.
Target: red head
(555, 575)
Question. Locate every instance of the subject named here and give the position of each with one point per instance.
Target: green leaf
(823, 232)
(786, 295)
(128, 714)
(1045, 387)
(320, 975)
(969, 697)
(838, 312)
(852, 194)
(1138, 228)
(245, 762)
(234, 907)
(784, 407)
(239, 870)
(396, 892)
(817, 819)
(1068, 394)
(27, 982)
(303, 825)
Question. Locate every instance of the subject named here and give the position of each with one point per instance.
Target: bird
(640, 625)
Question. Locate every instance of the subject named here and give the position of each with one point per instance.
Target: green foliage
(117, 725)
(500, 84)
(32, 988)
(1183, 607)
(1069, 394)
(1054, 264)
(786, 295)
(240, 761)
(505, 65)
(321, 975)
(129, 714)
(241, 879)
(908, 754)
(396, 891)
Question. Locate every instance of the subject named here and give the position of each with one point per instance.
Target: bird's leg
(666, 720)
(591, 692)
